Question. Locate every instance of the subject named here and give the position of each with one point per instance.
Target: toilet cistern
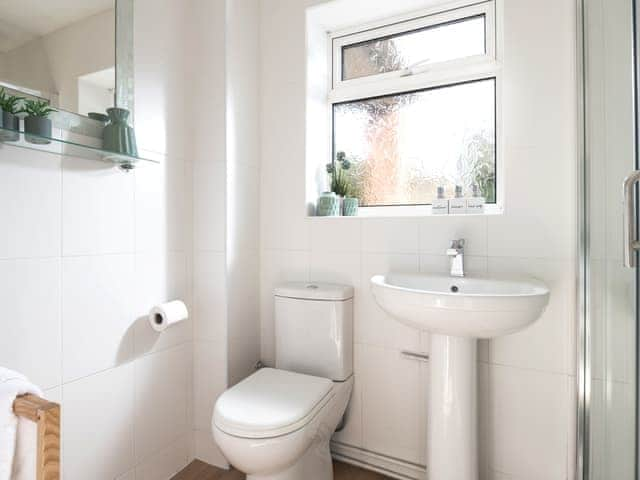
(456, 257)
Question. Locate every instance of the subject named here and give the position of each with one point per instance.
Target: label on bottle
(475, 205)
(457, 206)
(440, 207)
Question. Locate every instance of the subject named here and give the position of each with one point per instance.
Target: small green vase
(328, 205)
(117, 135)
(350, 207)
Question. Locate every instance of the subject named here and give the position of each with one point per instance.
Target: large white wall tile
(351, 433)
(98, 417)
(97, 311)
(209, 296)
(392, 383)
(161, 222)
(536, 225)
(30, 188)
(30, 342)
(335, 234)
(98, 209)
(160, 278)
(546, 344)
(277, 266)
(372, 325)
(161, 382)
(529, 415)
(209, 206)
(282, 207)
(388, 235)
(549, 100)
(210, 380)
(243, 207)
(161, 69)
(345, 268)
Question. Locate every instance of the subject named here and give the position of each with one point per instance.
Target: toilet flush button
(311, 286)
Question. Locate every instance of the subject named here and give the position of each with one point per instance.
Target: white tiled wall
(85, 251)
(210, 170)
(225, 152)
(526, 380)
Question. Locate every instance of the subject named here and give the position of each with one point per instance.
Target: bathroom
(169, 161)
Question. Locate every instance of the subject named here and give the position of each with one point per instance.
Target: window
(414, 106)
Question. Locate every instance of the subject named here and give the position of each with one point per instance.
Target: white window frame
(432, 75)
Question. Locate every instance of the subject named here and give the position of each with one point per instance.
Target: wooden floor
(198, 470)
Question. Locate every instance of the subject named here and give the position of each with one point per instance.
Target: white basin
(457, 311)
(478, 307)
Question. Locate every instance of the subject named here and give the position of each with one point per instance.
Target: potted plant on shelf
(10, 107)
(37, 124)
(341, 185)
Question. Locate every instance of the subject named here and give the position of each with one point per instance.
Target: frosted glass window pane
(402, 147)
(439, 43)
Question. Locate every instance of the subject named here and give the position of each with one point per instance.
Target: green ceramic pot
(117, 135)
(40, 127)
(350, 207)
(10, 122)
(328, 205)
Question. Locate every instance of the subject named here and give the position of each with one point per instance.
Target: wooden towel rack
(47, 415)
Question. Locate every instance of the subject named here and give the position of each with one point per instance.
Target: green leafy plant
(340, 181)
(37, 108)
(10, 103)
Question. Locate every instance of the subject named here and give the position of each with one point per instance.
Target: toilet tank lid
(314, 291)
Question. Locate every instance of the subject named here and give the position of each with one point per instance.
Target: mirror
(68, 53)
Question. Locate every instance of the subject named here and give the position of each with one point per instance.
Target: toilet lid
(271, 403)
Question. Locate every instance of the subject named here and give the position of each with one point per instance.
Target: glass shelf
(70, 144)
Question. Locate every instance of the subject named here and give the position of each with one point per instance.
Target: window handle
(631, 243)
(413, 68)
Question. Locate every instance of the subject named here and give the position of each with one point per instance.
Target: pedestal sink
(457, 312)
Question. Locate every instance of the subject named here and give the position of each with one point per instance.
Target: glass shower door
(608, 366)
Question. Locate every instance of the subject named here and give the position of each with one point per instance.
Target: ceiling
(24, 20)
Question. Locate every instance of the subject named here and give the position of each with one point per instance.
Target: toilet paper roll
(166, 314)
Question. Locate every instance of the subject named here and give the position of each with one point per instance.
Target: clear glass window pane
(402, 147)
(438, 43)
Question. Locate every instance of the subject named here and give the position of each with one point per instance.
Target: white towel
(18, 437)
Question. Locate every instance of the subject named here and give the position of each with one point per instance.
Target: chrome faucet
(456, 256)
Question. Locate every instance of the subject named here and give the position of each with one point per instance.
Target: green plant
(37, 108)
(9, 103)
(340, 181)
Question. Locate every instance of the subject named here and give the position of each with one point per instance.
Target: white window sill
(415, 211)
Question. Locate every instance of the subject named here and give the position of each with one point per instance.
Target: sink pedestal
(452, 431)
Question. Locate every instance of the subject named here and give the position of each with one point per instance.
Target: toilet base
(315, 464)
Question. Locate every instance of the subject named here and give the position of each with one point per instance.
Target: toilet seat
(271, 403)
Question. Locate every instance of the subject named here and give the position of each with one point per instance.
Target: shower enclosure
(607, 335)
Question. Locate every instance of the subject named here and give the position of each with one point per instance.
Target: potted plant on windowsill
(37, 124)
(9, 107)
(341, 185)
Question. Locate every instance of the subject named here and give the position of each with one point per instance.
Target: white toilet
(277, 423)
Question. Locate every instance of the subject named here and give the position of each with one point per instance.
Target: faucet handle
(457, 244)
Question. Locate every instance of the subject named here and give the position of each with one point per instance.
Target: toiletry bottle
(475, 204)
(440, 205)
(458, 205)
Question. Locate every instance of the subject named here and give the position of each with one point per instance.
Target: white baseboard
(389, 466)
